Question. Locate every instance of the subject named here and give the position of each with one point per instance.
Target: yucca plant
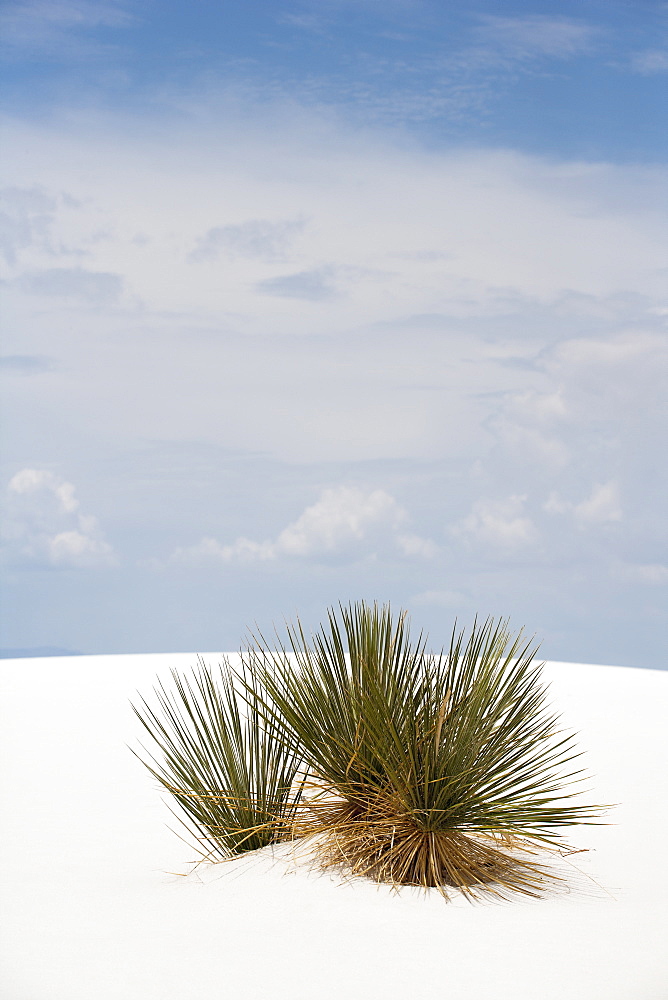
(412, 768)
(233, 777)
(428, 770)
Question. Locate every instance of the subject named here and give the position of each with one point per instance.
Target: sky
(309, 302)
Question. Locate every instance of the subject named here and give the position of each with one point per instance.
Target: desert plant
(429, 770)
(436, 770)
(236, 784)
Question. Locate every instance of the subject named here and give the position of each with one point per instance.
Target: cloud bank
(428, 374)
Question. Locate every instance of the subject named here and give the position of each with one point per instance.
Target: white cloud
(345, 522)
(602, 506)
(209, 551)
(35, 481)
(555, 505)
(529, 428)
(541, 406)
(415, 545)
(45, 526)
(343, 515)
(74, 549)
(530, 444)
(499, 523)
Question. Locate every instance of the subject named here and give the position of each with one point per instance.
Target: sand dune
(98, 903)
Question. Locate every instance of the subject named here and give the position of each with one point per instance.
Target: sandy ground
(96, 905)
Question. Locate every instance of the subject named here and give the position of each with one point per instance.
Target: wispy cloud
(646, 574)
(313, 286)
(73, 282)
(26, 364)
(440, 598)
(26, 216)
(618, 349)
(529, 426)
(257, 238)
(536, 36)
(650, 62)
(305, 21)
(57, 28)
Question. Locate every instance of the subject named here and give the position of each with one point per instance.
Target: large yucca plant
(400, 765)
(430, 770)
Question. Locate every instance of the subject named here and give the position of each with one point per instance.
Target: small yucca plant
(235, 782)
(400, 765)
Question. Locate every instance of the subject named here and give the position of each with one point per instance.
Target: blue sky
(308, 302)
(565, 78)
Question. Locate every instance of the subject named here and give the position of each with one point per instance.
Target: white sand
(89, 913)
